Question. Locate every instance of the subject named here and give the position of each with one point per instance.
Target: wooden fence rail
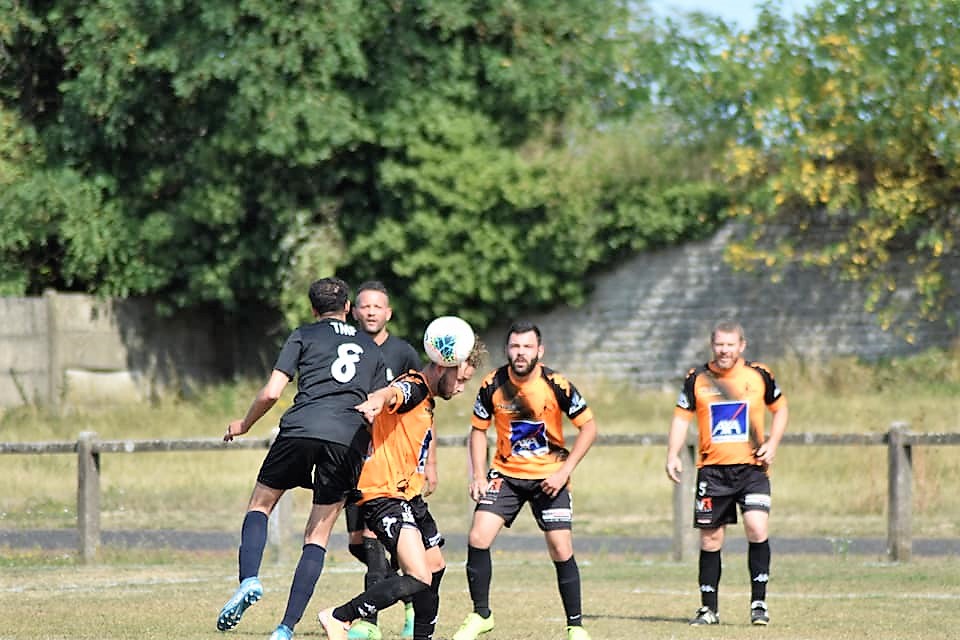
(898, 440)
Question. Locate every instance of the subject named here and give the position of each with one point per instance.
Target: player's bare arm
(477, 446)
(559, 479)
(375, 403)
(263, 402)
(430, 469)
(778, 425)
(675, 442)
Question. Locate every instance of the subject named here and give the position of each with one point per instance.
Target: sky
(743, 12)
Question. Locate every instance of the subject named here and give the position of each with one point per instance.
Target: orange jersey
(730, 407)
(528, 417)
(400, 441)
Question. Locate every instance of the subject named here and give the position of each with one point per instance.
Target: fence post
(281, 521)
(88, 495)
(684, 535)
(900, 494)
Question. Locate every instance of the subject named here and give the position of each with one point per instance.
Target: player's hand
(234, 429)
(477, 489)
(432, 480)
(552, 485)
(674, 468)
(370, 408)
(765, 454)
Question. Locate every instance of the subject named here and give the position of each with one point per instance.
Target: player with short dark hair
(729, 397)
(526, 402)
(392, 505)
(372, 312)
(321, 444)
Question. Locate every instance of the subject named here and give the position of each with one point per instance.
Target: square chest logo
(729, 421)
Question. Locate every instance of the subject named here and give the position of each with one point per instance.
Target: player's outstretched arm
(263, 402)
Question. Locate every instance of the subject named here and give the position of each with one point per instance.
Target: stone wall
(648, 321)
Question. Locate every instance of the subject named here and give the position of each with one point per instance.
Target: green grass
(162, 595)
(143, 594)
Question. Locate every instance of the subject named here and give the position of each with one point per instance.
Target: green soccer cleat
(363, 630)
(408, 615)
(473, 626)
(577, 633)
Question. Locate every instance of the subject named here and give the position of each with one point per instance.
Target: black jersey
(336, 367)
(399, 356)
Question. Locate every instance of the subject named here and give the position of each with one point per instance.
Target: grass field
(834, 492)
(157, 595)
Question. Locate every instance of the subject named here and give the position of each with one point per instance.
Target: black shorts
(386, 516)
(329, 468)
(506, 496)
(720, 488)
(354, 516)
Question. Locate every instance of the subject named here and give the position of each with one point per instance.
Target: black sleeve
(413, 389)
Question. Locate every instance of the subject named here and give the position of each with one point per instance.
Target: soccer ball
(448, 340)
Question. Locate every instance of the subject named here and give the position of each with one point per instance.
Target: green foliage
(844, 120)
(230, 152)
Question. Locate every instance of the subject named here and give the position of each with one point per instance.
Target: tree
(846, 121)
(230, 152)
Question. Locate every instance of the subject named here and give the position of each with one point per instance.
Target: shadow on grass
(605, 616)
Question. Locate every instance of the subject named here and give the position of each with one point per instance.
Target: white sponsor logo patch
(557, 515)
(405, 388)
(756, 500)
(480, 411)
(576, 403)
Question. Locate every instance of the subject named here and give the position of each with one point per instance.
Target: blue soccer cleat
(249, 591)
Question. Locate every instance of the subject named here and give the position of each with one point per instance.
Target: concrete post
(281, 521)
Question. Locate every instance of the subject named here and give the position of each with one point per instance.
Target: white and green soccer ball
(448, 340)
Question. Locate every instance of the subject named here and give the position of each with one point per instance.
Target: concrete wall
(120, 350)
(24, 350)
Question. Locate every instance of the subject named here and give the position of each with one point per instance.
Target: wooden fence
(898, 440)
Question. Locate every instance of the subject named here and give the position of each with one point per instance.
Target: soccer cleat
(577, 633)
(363, 630)
(408, 615)
(705, 615)
(335, 629)
(249, 591)
(759, 614)
(473, 626)
(283, 632)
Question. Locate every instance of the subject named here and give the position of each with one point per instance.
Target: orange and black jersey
(730, 407)
(401, 438)
(528, 417)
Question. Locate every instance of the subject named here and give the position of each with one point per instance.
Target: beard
(526, 367)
